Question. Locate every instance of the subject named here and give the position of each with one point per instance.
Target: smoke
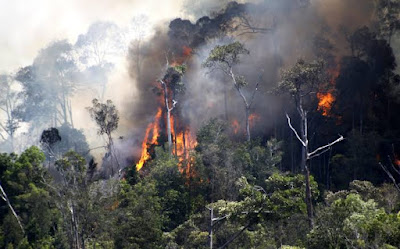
(276, 33)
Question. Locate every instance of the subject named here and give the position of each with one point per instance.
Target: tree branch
(341, 138)
(294, 131)
(5, 198)
(390, 176)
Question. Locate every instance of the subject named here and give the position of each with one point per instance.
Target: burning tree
(302, 82)
(225, 58)
(171, 86)
(171, 83)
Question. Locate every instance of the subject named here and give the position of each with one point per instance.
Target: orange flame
(154, 127)
(396, 160)
(325, 102)
(186, 51)
(235, 126)
(253, 118)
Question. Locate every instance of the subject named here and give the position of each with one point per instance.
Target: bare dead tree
(302, 81)
(307, 155)
(3, 195)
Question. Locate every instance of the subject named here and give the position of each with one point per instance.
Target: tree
(216, 153)
(225, 58)
(106, 117)
(139, 220)
(81, 201)
(302, 82)
(170, 186)
(22, 179)
(348, 221)
(257, 207)
(137, 31)
(97, 50)
(9, 100)
(56, 142)
(388, 18)
(172, 81)
(47, 86)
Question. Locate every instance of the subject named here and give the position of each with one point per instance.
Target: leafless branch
(390, 176)
(322, 152)
(391, 164)
(5, 198)
(294, 131)
(341, 138)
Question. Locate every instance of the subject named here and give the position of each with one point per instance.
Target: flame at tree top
(325, 100)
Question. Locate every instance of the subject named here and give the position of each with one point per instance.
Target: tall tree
(97, 51)
(48, 85)
(106, 117)
(9, 100)
(225, 58)
(302, 82)
(388, 18)
(171, 84)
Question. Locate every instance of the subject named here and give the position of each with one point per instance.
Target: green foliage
(170, 186)
(69, 139)
(228, 55)
(302, 79)
(105, 115)
(139, 221)
(350, 221)
(22, 179)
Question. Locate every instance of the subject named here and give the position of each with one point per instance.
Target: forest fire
(154, 128)
(253, 118)
(396, 161)
(184, 143)
(235, 126)
(182, 140)
(325, 100)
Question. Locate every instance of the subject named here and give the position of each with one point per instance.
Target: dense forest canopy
(248, 124)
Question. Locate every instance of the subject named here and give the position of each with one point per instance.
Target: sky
(26, 26)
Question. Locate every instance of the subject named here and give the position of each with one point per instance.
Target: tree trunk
(308, 198)
(210, 231)
(248, 123)
(168, 118)
(226, 102)
(304, 166)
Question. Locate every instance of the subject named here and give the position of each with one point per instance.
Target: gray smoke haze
(292, 28)
(288, 31)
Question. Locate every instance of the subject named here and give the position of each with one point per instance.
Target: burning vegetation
(235, 123)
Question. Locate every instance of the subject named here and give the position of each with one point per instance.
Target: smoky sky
(201, 25)
(292, 26)
(27, 26)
